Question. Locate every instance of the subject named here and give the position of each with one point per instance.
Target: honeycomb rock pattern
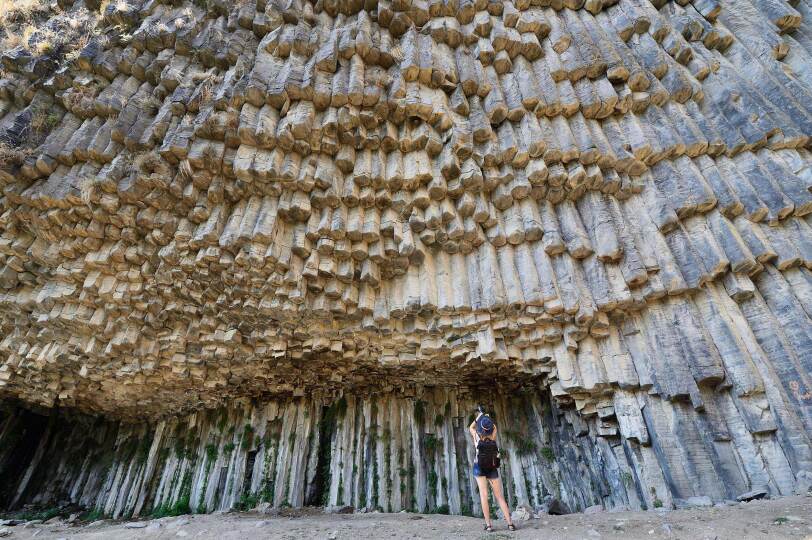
(606, 201)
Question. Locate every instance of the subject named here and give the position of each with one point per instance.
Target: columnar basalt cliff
(276, 250)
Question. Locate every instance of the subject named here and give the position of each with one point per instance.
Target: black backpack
(487, 455)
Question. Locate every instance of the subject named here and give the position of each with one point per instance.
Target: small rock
(53, 520)
(261, 523)
(136, 525)
(96, 523)
(181, 534)
(667, 529)
(593, 533)
(15, 522)
(593, 509)
(179, 522)
(73, 517)
(415, 517)
(33, 522)
(5, 532)
(618, 527)
(332, 535)
(693, 502)
(522, 513)
(154, 526)
(753, 495)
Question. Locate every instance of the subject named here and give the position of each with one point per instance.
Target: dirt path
(790, 517)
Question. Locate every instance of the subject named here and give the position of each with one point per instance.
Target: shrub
(247, 502)
(431, 443)
(524, 445)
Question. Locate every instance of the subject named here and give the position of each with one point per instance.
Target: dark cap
(484, 426)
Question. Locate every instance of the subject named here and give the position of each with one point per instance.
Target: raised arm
(472, 430)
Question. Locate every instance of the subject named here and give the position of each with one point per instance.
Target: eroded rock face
(606, 203)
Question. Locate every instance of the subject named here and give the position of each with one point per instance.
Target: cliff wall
(389, 453)
(317, 219)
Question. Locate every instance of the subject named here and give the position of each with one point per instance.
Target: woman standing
(486, 466)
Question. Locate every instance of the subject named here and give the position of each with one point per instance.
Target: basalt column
(276, 250)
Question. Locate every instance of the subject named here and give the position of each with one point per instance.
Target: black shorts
(492, 474)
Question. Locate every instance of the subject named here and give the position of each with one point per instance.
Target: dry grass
(14, 11)
(11, 156)
(43, 121)
(17, 20)
(75, 94)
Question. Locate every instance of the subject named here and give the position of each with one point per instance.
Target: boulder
(753, 494)
(557, 508)
(266, 508)
(522, 513)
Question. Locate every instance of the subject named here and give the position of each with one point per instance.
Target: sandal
(488, 528)
(512, 527)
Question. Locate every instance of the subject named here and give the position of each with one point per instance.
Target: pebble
(5, 532)
(180, 522)
(136, 525)
(593, 533)
(261, 523)
(332, 535)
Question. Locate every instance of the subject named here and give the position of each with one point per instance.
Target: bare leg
(482, 482)
(496, 486)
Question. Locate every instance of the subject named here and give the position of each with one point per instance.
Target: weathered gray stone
(753, 494)
(693, 502)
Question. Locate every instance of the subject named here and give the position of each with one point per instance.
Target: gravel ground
(789, 517)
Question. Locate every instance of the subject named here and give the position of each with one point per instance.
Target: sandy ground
(789, 517)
